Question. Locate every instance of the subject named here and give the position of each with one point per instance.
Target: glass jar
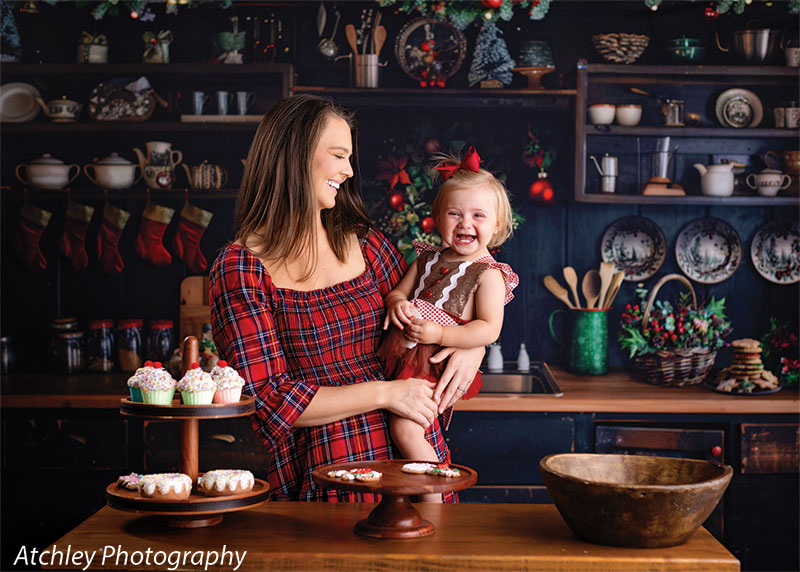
(6, 355)
(160, 340)
(129, 344)
(100, 345)
(69, 352)
(57, 327)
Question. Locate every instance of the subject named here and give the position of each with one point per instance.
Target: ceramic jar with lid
(113, 172)
(47, 172)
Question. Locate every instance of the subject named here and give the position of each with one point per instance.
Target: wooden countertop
(319, 536)
(613, 393)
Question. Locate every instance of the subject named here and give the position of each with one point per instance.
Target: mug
(199, 102)
(792, 115)
(223, 102)
(587, 351)
(780, 116)
(672, 112)
(244, 99)
(768, 184)
(792, 56)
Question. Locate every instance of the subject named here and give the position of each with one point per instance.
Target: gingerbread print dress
(442, 292)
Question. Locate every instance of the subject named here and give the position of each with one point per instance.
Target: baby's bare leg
(410, 439)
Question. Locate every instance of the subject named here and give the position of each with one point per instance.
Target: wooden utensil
(379, 38)
(591, 287)
(557, 290)
(606, 275)
(350, 34)
(572, 281)
(616, 281)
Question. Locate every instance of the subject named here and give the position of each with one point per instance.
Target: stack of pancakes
(746, 374)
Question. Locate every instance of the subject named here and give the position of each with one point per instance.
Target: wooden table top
(612, 393)
(319, 536)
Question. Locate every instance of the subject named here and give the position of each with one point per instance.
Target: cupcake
(229, 383)
(138, 376)
(196, 386)
(157, 386)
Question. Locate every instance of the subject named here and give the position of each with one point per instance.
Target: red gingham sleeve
(387, 264)
(242, 322)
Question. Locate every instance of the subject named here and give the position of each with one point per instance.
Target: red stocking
(148, 244)
(73, 241)
(114, 221)
(193, 222)
(32, 223)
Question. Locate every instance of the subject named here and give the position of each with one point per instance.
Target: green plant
(780, 352)
(671, 328)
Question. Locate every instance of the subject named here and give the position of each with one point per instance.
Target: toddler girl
(451, 296)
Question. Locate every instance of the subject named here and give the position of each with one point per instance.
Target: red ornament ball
(425, 46)
(427, 224)
(423, 83)
(440, 82)
(542, 190)
(397, 200)
(711, 13)
(432, 146)
(492, 3)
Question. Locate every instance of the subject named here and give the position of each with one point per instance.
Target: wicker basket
(673, 368)
(620, 48)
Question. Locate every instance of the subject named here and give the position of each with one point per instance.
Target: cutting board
(195, 311)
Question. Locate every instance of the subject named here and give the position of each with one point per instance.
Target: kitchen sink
(539, 380)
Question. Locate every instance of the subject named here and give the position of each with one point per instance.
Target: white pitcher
(158, 167)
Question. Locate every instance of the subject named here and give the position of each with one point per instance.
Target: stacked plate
(535, 54)
(18, 102)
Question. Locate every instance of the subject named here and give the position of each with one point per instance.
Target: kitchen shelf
(146, 69)
(735, 200)
(18, 192)
(119, 126)
(661, 131)
(619, 73)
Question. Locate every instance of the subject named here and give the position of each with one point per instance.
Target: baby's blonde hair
(483, 180)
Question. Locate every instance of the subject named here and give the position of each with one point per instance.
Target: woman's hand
(413, 399)
(458, 373)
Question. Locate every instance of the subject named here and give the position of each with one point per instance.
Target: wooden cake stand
(198, 510)
(395, 516)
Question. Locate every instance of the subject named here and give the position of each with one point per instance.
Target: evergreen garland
(462, 13)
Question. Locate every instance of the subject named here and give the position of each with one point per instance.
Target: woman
(297, 305)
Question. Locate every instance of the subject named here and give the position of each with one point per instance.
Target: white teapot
(716, 180)
(61, 110)
(47, 172)
(113, 172)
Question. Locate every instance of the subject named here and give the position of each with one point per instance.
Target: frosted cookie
(130, 482)
(223, 482)
(442, 470)
(416, 468)
(166, 486)
(365, 475)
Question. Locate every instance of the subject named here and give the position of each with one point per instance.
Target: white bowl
(601, 113)
(629, 115)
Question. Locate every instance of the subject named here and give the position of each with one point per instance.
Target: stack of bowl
(684, 50)
(535, 54)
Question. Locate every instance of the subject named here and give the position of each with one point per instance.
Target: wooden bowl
(633, 501)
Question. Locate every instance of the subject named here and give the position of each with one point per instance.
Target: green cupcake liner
(197, 397)
(159, 397)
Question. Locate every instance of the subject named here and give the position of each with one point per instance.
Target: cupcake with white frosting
(133, 381)
(157, 386)
(229, 383)
(196, 386)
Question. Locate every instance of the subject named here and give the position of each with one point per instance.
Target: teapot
(47, 172)
(716, 180)
(61, 110)
(206, 175)
(113, 172)
(158, 167)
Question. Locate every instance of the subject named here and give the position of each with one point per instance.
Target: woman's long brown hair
(276, 202)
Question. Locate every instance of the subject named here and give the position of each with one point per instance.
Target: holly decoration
(137, 9)
(407, 184)
(710, 13)
(780, 352)
(535, 155)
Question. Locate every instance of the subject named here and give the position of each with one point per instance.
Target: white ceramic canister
(113, 172)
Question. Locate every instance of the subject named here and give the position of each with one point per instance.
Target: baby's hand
(424, 331)
(400, 313)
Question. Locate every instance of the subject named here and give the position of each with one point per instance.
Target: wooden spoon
(591, 287)
(350, 34)
(572, 281)
(557, 290)
(616, 281)
(378, 39)
(606, 275)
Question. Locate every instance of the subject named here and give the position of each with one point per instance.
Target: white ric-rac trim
(462, 269)
(424, 275)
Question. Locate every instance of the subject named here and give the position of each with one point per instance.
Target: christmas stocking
(32, 223)
(73, 241)
(193, 222)
(114, 221)
(148, 244)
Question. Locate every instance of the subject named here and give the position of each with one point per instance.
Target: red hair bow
(471, 162)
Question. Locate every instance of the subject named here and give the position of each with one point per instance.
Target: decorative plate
(430, 50)
(18, 102)
(708, 250)
(709, 384)
(636, 245)
(775, 251)
(739, 108)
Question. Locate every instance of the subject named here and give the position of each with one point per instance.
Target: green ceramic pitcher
(587, 350)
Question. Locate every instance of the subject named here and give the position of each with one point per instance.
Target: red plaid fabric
(286, 344)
